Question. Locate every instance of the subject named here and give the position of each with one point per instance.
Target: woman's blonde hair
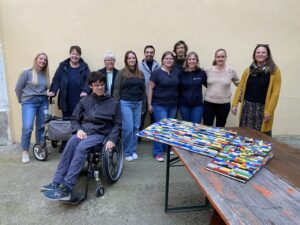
(190, 54)
(45, 70)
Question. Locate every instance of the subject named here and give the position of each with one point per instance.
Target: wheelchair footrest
(99, 191)
(75, 199)
(100, 188)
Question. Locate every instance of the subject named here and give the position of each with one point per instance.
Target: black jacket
(60, 82)
(97, 115)
(191, 87)
(115, 71)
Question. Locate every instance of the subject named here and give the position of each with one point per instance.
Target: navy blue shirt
(165, 92)
(73, 88)
(191, 87)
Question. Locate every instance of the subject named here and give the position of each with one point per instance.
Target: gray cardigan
(25, 90)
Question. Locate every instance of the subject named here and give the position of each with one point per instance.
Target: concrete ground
(137, 198)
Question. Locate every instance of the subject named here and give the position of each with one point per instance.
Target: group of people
(163, 90)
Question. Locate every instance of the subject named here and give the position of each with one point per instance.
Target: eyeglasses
(98, 85)
(109, 60)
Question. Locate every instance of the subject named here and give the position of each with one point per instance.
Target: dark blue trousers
(73, 159)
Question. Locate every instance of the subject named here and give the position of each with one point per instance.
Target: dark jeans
(73, 158)
(218, 111)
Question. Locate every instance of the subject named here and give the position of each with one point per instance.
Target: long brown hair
(269, 61)
(45, 70)
(129, 73)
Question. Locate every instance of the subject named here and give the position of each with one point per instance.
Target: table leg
(171, 162)
(216, 219)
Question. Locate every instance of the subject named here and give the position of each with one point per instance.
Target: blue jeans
(191, 113)
(131, 119)
(73, 159)
(33, 109)
(161, 112)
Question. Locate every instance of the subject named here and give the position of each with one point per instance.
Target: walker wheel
(40, 153)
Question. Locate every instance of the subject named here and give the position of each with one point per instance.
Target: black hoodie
(97, 115)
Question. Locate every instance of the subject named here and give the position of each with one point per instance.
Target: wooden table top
(264, 199)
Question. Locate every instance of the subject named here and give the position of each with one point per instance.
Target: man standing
(180, 49)
(109, 71)
(147, 65)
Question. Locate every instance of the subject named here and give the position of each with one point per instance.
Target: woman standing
(218, 93)
(70, 80)
(191, 80)
(130, 89)
(31, 91)
(163, 96)
(258, 91)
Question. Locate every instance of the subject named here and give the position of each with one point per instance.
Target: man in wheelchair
(95, 118)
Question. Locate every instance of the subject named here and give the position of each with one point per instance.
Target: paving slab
(137, 198)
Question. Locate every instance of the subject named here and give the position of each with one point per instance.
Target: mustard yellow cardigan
(271, 98)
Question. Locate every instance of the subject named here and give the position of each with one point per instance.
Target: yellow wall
(52, 26)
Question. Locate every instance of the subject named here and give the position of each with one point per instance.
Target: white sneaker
(135, 156)
(159, 158)
(129, 158)
(25, 157)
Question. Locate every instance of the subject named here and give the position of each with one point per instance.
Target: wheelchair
(111, 166)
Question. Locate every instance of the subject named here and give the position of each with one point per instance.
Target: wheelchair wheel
(54, 144)
(112, 163)
(39, 152)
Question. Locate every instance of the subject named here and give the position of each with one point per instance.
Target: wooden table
(266, 198)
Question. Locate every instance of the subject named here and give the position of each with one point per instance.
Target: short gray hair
(109, 55)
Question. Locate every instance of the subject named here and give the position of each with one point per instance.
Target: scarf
(258, 71)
